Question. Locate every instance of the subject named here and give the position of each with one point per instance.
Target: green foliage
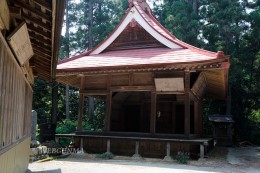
(182, 157)
(105, 156)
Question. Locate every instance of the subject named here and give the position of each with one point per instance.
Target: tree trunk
(90, 25)
(67, 56)
(54, 103)
(90, 46)
(195, 6)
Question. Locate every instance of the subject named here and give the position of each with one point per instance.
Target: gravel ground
(237, 160)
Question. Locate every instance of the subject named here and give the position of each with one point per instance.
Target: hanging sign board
(169, 84)
(20, 43)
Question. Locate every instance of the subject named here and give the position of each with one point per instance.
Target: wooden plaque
(20, 43)
(169, 84)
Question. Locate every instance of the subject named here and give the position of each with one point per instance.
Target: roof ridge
(74, 57)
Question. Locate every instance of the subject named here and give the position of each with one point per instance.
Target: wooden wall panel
(15, 100)
(96, 82)
(120, 80)
(143, 79)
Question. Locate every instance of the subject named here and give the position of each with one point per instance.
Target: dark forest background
(232, 26)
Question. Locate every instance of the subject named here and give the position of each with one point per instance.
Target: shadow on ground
(46, 171)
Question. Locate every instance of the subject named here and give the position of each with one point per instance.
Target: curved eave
(144, 67)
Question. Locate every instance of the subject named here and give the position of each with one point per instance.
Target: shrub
(105, 156)
(182, 157)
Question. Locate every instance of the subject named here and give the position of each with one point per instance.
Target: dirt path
(220, 160)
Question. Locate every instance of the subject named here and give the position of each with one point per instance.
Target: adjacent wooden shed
(29, 42)
(152, 82)
(222, 129)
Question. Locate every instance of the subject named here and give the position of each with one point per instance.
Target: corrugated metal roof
(136, 57)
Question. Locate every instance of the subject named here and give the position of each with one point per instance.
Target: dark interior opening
(132, 118)
(130, 112)
(180, 119)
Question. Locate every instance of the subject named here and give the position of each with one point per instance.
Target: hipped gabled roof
(173, 52)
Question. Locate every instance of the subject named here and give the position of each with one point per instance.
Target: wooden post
(108, 111)
(196, 117)
(187, 102)
(200, 117)
(173, 117)
(153, 113)
(81, 109)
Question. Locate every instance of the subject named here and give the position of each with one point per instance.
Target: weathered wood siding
(15, 110)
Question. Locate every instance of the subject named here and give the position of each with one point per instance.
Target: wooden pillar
(108, 111)
(81, 109)
(173, 117)
(153, 113)
(187, 102)
(200, 128)
(196, 117)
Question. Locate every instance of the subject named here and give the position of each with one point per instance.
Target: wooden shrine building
(29, 41)
(153, 85)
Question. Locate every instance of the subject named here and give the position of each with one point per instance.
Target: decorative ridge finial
(142, 3)
(131, 3)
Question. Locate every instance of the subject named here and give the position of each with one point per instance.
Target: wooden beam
(132, 88)
(15, 12)
(187, 102)
(32, 28)
(43, 4)
(42, 51)
(32, 10)
(40, 58)
(41, 46)
(39, 38)
(36, 21)
(80, 113)
(94, 92)
(153, 113)
(168, 92)
(108, 111)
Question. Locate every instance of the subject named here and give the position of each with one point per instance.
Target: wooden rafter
(32, 28)
(44, 48)
(41, 51)
(36, 21)
(43, 4)
(39, 38)
(40, 56)
(31, 9)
